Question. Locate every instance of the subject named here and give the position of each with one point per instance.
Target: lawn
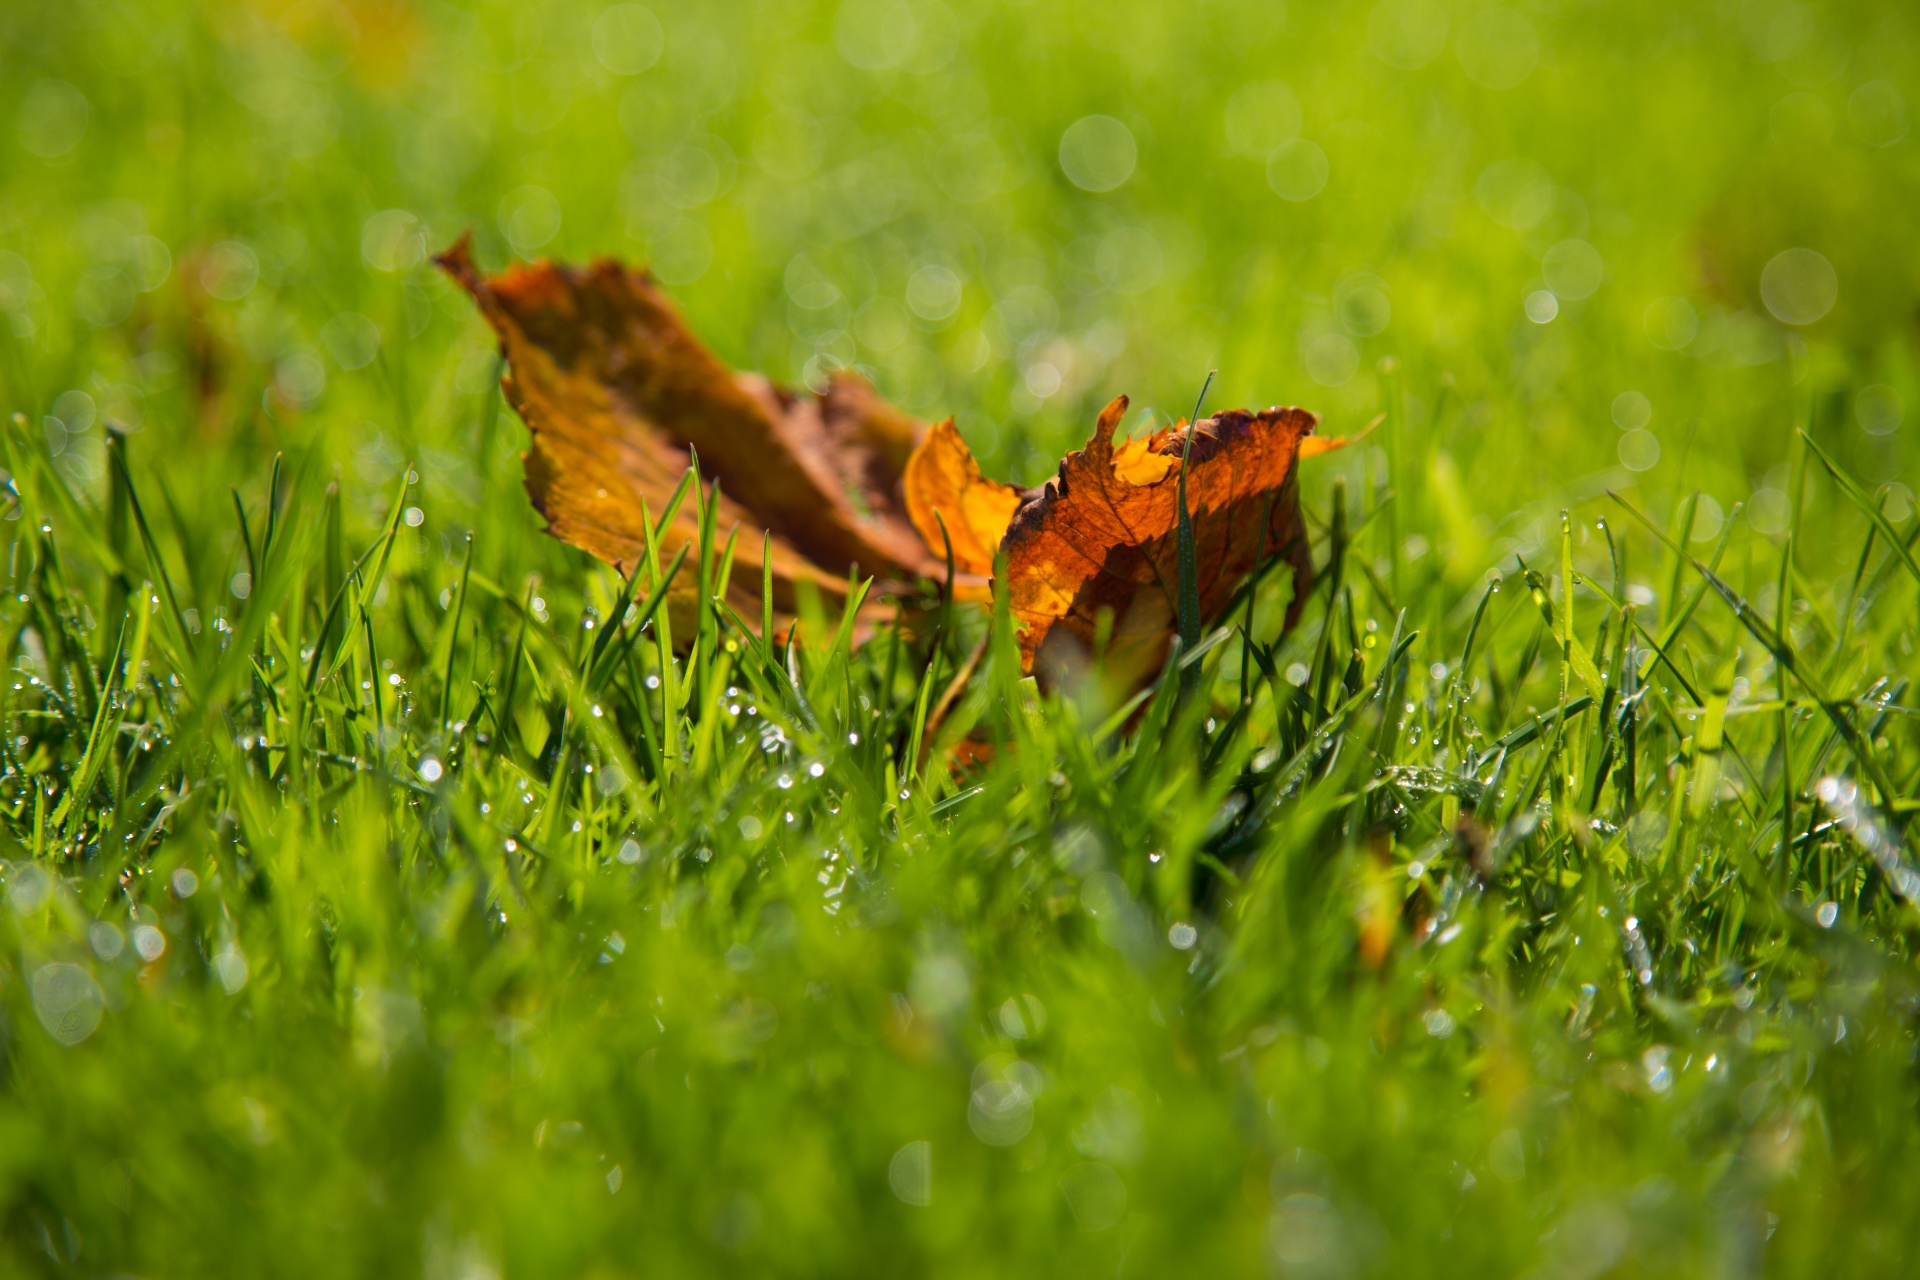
(383, 898)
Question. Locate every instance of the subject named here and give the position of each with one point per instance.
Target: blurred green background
(215, 219)
(1576, 246)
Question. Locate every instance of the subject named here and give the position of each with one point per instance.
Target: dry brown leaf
(1101, 537)
(618, 392)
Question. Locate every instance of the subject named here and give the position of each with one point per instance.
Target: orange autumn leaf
(1096, 549)
(619, 393)
(945, 492)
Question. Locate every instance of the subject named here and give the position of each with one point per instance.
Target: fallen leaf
(947, 495)
(1099, 541)
(619, 393)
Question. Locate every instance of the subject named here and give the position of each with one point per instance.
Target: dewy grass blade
(1187, 607)
(389, 534)
(649, 609)
(1783, 654)
(955, 799)
(705, 508)
(28, 460)
(1578, 657)
(1659, 651)
(156, 563)
(910, 763)
(1871, 510)
(1677, 569)
(1179, 661)
(1473, 627)
(945, 621)
(723, 576)
(347, 609)
(767, 656)
(1321, 673)
(358, 604)
(610, 626)
(246, 533)
(842, 644)
(106, 728)
(663, 634)
(1246, 626)
(272, 531)
(453, 635)
(1782, 626)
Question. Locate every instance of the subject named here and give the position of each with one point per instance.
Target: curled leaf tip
(1314, 446)
(457, 261)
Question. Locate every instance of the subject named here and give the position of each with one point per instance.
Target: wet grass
(390, 890)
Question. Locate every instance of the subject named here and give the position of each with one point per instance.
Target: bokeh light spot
(351, 339)
(1363, 306)
(1878, 410)
(52, 119)
(1708, 518)
(229, 271)
(1799, 286)
(1297, 171)
(1330, 357)
(1098, 153)
(106, 940)
(1262, 116)
(1498, 48)
(529, 216)
(680, 251)
(933, 293)
(1573, 269)
(875, 35)
(1514, 193)
(1407, 34)
(1096, 1195)
(1671, 323)
(1769, 511)
(1632, 410)
(1878, 113)
(67, 1001)
(393, 240)
(910, 1173)
(627, 39)
(1639, 450)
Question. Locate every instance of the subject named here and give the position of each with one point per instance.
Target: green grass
(373, 909)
